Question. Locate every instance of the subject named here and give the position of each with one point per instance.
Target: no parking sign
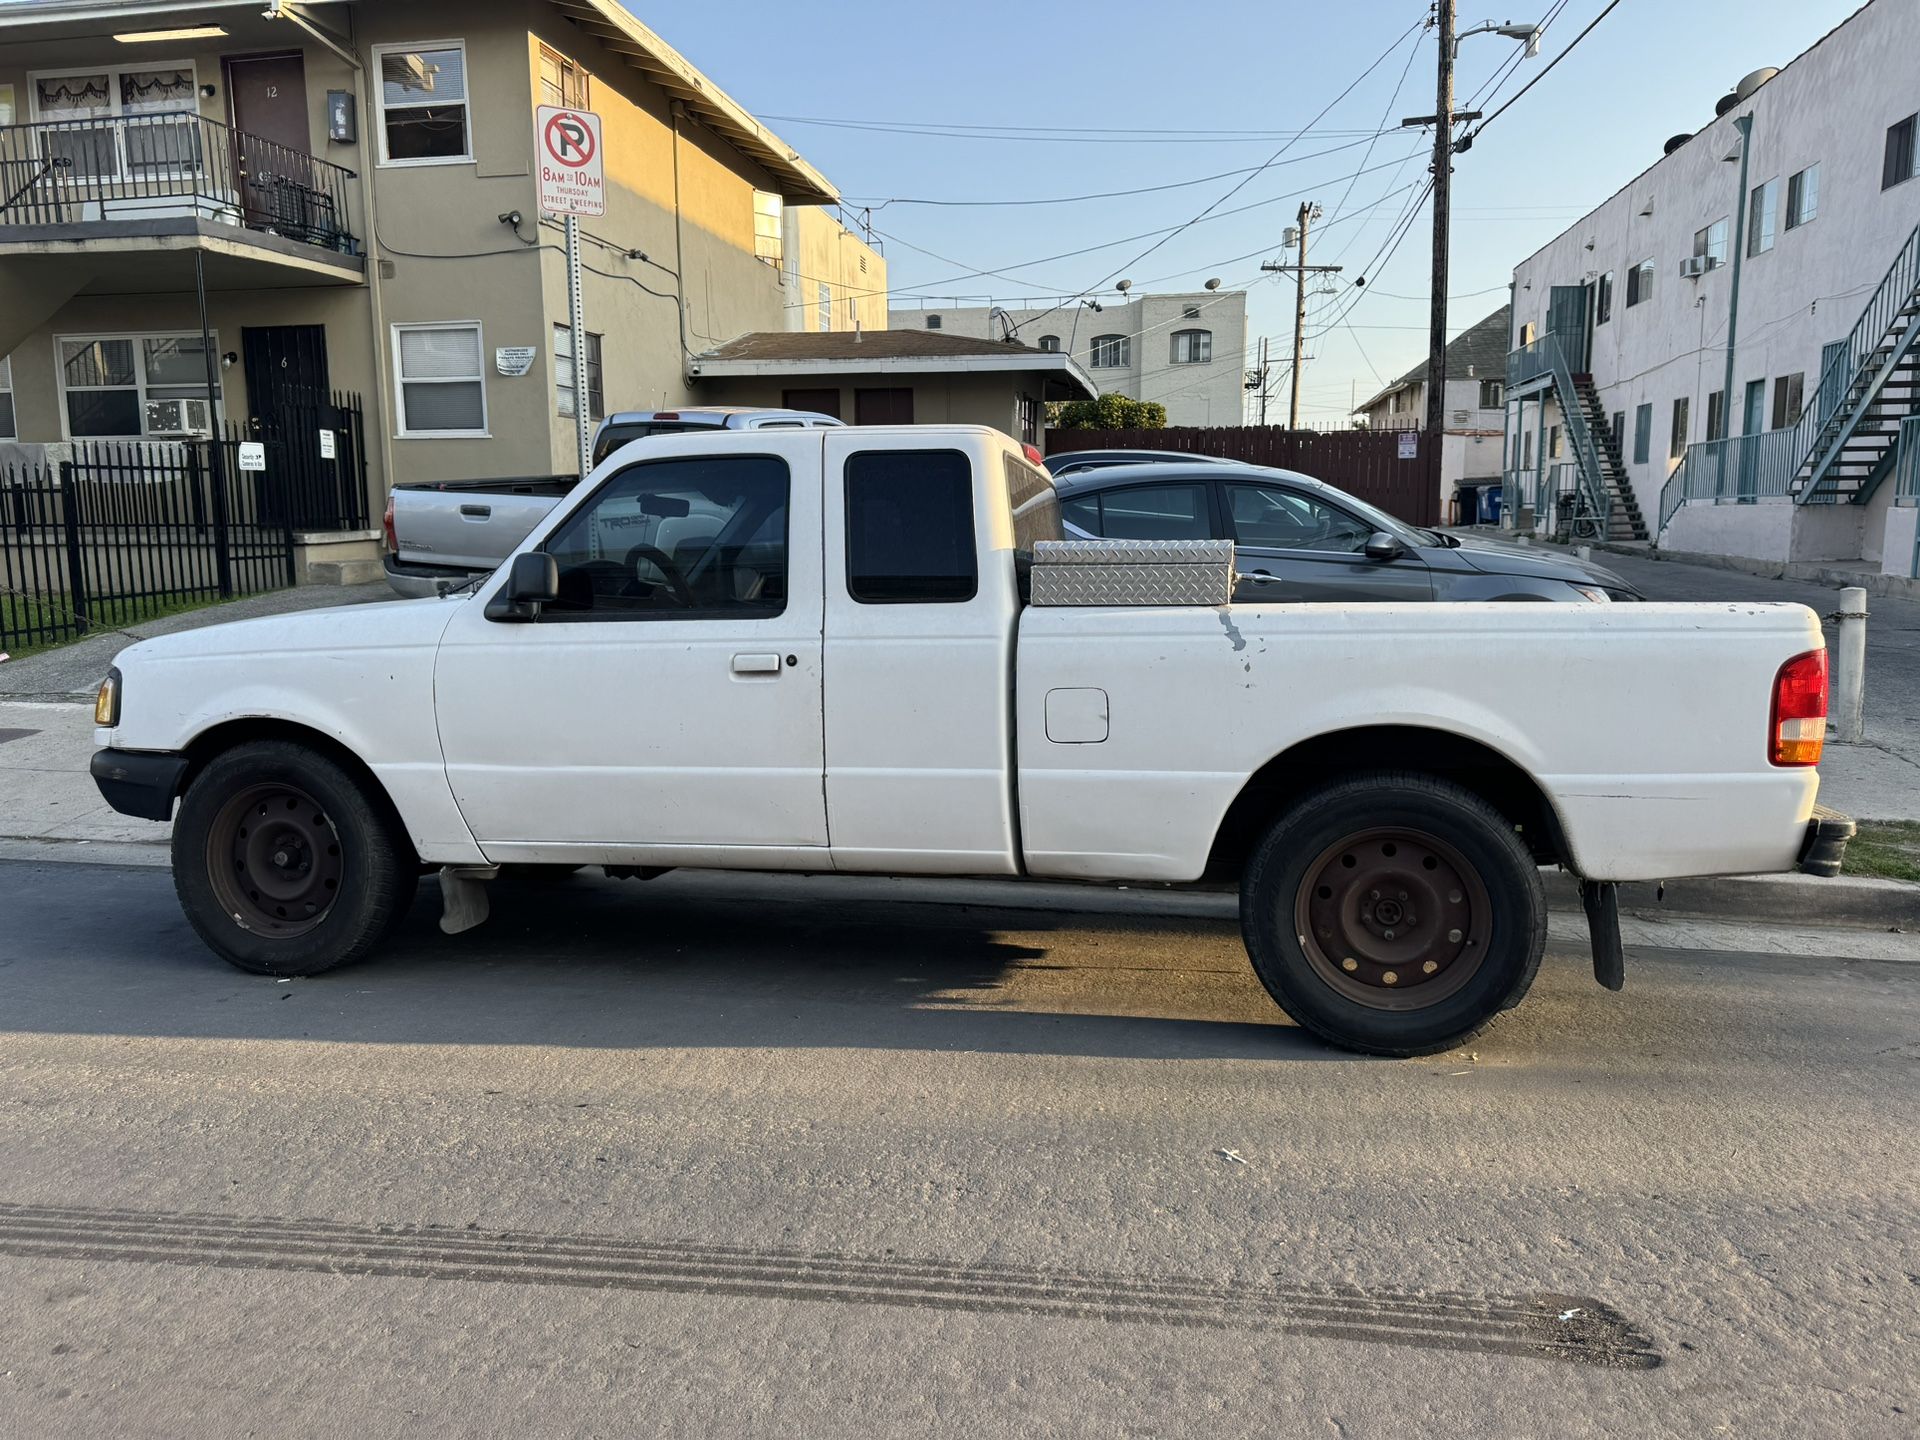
(572, 168)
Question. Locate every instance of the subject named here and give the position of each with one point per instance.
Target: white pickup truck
(853, 650)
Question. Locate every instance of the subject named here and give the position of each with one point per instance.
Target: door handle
(476, 512)
(1261, 577)
(756, 664)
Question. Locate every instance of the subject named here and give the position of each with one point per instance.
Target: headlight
(106, 705)
(1591, 592)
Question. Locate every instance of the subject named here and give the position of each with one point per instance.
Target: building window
(1603, 299)
(826, 307)
(1711, 243)
(107, 381)
(1493, 394)
(1526, 451)
(766, 227)
(1900, 153)
(1111, 352)
(8, 429)
(1789, 395)
(933, 322)
(1619, 429)
(1803, 197)
(1553, 442)
(1191, 347)
(1642, 434)
(1050, 343)
(1763, 217)
(154, 149)
(1028, 419)
(562, 83)
(563, 374)
(1677, 445)
(442, 388)
(423, 103)
(1189, 312)
(910, 527)
(1717, 415)
(1640, 284)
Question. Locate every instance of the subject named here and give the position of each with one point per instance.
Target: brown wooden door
(272, 144)
(890, 405)
(825, 402)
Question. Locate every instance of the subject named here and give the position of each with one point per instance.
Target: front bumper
(140, 783)
(1826, 844)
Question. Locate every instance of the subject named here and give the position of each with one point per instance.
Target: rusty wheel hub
(275, 860)
(1393, 918)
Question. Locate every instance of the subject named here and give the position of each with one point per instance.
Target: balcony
(100, 199)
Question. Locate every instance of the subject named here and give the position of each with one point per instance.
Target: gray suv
(1296, 538)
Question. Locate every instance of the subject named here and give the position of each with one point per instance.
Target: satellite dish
(1214, 283)
(1123, 286)
(1006, 322)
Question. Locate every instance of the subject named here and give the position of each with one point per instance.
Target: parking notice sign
(568, 157)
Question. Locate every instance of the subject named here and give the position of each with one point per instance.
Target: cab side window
(910, 527)
(675, 540)
(1270, 518)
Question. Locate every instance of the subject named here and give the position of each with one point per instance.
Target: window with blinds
(442, 387)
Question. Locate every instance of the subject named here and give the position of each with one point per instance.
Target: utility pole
(1309, 212)
(1263, 380)
(1442, 223)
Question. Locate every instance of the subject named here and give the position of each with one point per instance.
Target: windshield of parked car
(1379, 519)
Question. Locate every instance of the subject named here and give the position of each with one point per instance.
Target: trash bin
(1490, 505)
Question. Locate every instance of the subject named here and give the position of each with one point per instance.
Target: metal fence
(127, 530)
(136, 167)
(1738, 470)
(1395, 470)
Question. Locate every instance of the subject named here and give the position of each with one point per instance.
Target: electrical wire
(1508, 104)
(1061, 135)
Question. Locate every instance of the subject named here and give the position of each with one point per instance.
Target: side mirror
(532, 580)
(1382, 546)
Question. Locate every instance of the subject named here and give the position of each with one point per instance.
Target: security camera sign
(567, 154)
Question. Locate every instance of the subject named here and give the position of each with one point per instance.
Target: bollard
(1850, 666)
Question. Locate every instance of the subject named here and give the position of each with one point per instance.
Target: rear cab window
(910, 527)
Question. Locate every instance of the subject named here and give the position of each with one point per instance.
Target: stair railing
(1547, 356)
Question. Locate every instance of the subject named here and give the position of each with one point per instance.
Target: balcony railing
(144, 167)
(1736, 471)
(1906, 470)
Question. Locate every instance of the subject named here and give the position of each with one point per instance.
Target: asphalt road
(634, 1160)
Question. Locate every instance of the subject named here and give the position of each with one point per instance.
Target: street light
(1529, 35)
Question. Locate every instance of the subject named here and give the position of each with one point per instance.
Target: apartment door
(273, 169)
(288, 404)
(1752, 421)
(883, 405)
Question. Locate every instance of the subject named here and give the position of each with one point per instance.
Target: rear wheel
(283, 862)
(1394, 914)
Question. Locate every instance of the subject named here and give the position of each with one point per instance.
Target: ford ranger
(866, 650)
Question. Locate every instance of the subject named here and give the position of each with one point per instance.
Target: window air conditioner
(178, 418)
(1694, 266)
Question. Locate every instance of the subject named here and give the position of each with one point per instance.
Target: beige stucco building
(354, 185)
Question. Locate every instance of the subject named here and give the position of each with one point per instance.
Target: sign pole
(577, 322)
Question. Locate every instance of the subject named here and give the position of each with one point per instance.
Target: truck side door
(921, 602)
(667, 708)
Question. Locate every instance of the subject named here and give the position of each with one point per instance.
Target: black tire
(1331, 902)
(283, 862)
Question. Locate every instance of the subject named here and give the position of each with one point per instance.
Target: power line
(1061, 135)
(1612, 5)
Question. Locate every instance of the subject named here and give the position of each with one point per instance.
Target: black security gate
(124, 531)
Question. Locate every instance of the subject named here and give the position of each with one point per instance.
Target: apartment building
(1185, 350)
(299, 204)
(1778, 431)
(1474, 415)
(836, 274)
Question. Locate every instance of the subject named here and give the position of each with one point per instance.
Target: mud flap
(1602, 899)
(463, 894)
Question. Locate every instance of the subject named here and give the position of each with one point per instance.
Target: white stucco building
(1187, 351)
(1473, 418)
(1617, 384)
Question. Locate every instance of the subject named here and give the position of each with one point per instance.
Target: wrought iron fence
(126, 530)
(139, 167)
(1740, 469)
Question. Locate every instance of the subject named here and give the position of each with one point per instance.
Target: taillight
(1799, 727)
(386, 524)
(1032, 452)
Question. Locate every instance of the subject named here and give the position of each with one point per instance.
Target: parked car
(1300, 539)
(864, 655)
(448, 533)
(1076, 462)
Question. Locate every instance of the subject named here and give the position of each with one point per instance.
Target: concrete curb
(1764, 899)
(1897, 586)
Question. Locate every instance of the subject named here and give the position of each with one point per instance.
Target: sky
(1003, 100)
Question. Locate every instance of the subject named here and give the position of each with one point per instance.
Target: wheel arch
(218, 739)
(1446, 754)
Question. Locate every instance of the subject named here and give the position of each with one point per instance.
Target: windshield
(1406, 534)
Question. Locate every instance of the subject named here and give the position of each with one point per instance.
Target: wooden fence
(1397, 470)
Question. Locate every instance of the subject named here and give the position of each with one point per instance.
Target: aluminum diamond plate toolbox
(1132, 572)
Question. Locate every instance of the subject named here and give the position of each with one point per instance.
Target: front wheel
(283, 862)
(1394, 914)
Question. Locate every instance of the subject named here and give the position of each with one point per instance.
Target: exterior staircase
(1624, 520)
(1871, 384)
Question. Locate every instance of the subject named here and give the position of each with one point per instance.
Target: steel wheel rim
(275, 860)
(1393, 918)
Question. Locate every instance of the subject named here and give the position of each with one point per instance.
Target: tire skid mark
(1531, 1326)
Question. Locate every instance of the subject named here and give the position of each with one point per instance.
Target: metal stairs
(1624, 520)
(1866, 390)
